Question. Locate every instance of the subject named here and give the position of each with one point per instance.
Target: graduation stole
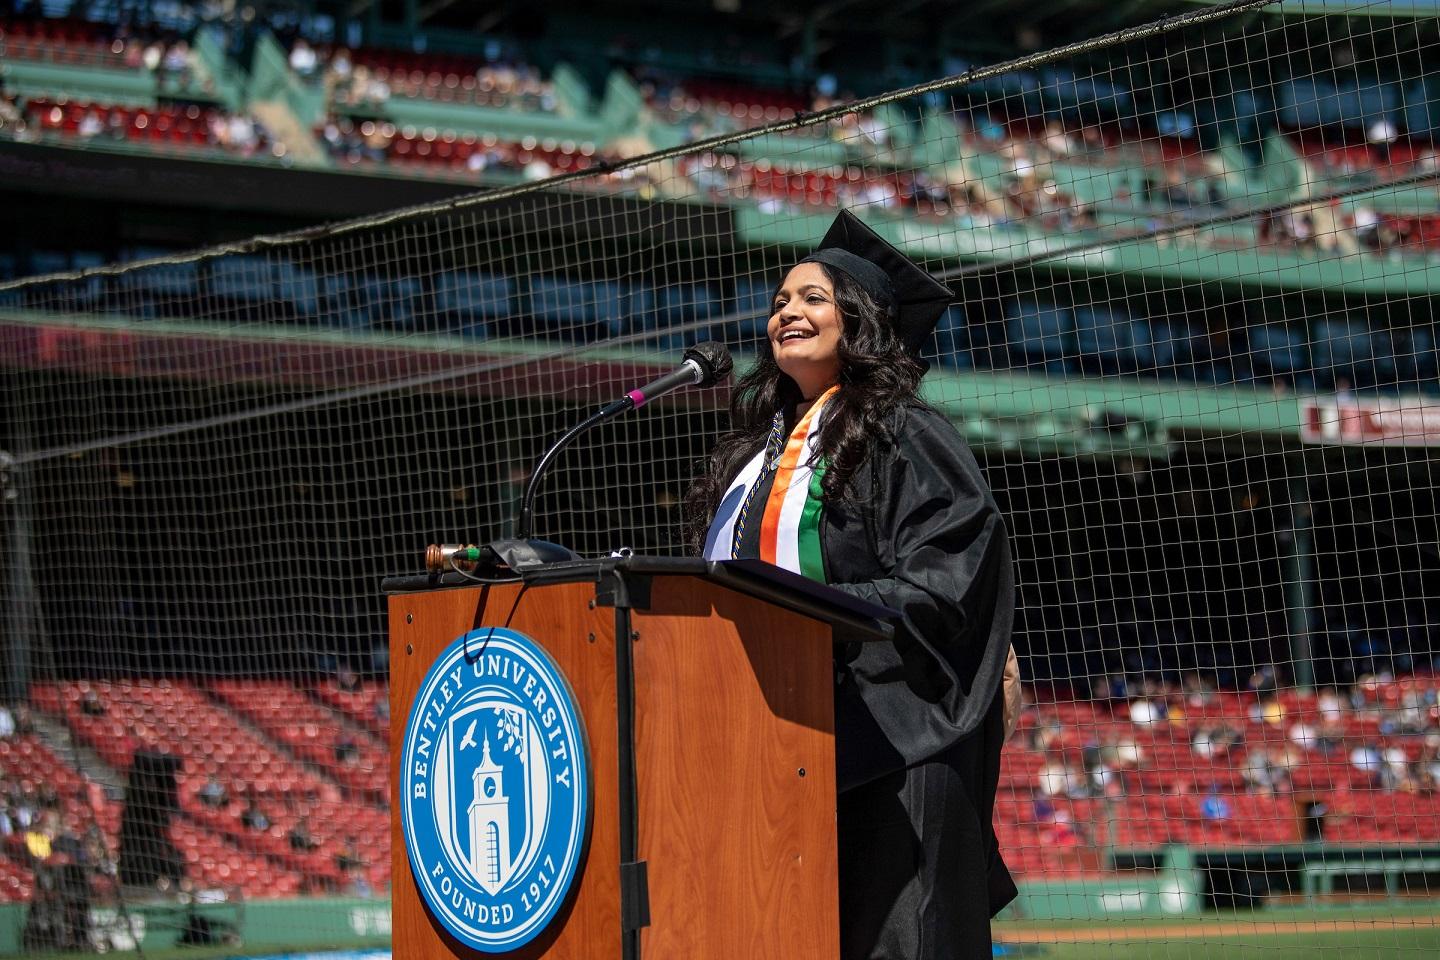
(790, 517)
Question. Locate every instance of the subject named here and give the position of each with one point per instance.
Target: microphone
(705, 365)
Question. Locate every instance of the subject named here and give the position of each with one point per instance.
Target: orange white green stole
(789, 518)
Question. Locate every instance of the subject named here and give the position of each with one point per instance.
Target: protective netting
(1193, 347)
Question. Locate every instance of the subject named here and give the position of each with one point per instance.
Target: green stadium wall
(312, 922)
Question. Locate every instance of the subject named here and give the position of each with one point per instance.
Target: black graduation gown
(919, 724)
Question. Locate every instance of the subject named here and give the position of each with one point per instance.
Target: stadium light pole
(24, 619)
(1300, 580)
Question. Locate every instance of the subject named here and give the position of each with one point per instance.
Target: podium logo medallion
(495, 789)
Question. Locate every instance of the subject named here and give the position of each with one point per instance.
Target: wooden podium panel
(733, 699)
(734, 757)
(581, 639)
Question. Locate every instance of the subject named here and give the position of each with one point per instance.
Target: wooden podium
(706, 695)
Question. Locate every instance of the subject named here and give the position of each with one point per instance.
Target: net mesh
(1193, 348)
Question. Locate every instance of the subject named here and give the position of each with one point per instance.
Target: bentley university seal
(495, 789)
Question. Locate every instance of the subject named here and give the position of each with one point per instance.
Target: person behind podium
(834, 468)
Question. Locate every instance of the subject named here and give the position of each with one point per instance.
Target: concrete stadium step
(57, 736)
(300, 143)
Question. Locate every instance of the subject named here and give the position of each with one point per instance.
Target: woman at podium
(834, 468)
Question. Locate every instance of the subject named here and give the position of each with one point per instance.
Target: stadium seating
(1158, 789)
(292, 786)
(211, 861)
(741, 104)
(312, 732)
(366, 705)
(60, 41)
(172, 127)
(1160, 797)
(458, 79)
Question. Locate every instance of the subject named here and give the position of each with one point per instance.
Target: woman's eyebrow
(803, 288)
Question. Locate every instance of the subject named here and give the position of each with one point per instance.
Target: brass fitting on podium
(444, 557)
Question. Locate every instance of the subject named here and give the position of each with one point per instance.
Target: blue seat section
(749, 312)
(1348, 348)
(1417, 365)
(48, 261)
(384, 303)
(1178, 347)
(1041, 335)
(672, 309)
(298, 289)
(1319, 102)
(467, 302)
(1279, 352)
(950, 345)
(242, 279)
(171, 280)
(1103, 338)
(86, 259)
(1107, 340)
(1422, 107)
(580, 309)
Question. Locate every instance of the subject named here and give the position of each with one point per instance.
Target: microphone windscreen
(714, 360)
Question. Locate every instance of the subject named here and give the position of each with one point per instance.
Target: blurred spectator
(303, 59)
(350, 862)
(1395, 772)
(1264, 681)
(1046, 731)
(1061, 833)
(1041, 809)
(41, 836)
(178, 63)
(1303, 735)
(1059, 779)
(1367, 226)
(213, 793)
(253, 817)
(1268, 711)
(90, 704)
(1427, 768)
(1214, 807)
(346, 749)
(153, 56)
(1143, 713)
(90, 125)
(1213, 740)
(12, 121)
(301, 840)
(1368, 761)
(347, 679)
(7, 723)
(1099, 775)
(1267, 770)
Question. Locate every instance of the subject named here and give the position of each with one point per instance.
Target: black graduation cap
(887, 275)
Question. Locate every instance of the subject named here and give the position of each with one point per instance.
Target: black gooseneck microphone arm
(526, 518)
(705, 365)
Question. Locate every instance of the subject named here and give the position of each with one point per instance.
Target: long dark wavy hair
(878, 375)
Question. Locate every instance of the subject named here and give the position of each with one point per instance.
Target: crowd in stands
(1191, 763)
(184, 116)
(1181, 184)
(179, 126)
(50, 815)
(368, 78)
(1119, 761)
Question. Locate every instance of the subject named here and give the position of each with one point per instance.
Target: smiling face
(805, 328)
